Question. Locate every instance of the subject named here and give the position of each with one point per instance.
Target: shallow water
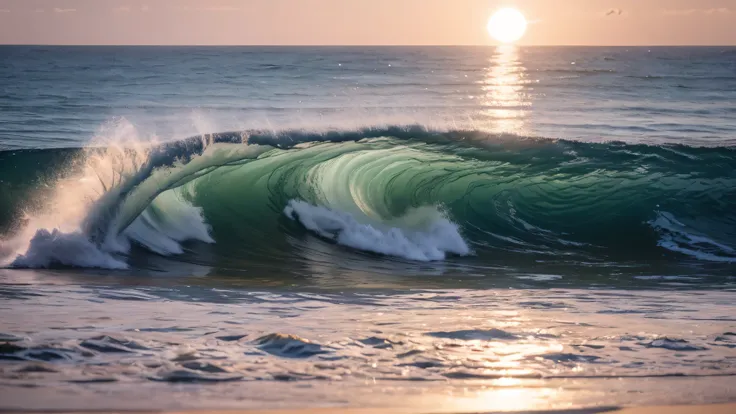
(117, 343)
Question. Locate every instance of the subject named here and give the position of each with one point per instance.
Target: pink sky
(366, 22)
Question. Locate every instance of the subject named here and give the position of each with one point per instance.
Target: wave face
(374, 197)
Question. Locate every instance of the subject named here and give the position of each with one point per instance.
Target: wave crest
(513, 199)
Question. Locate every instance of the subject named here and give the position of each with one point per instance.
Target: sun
(507, 25)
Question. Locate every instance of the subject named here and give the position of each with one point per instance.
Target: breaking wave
(406, 193)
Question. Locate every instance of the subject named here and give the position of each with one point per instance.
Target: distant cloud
(122, 9)
(58, 10)
(4, 11)
(38, 11)
(614, 12)
(690, 12)
(144, 8)
(211, 8)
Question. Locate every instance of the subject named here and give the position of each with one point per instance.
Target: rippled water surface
(201, 346)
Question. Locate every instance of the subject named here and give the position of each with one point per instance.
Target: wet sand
(692, 409)
(727, 408)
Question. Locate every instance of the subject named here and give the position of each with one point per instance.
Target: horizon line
(352, 45)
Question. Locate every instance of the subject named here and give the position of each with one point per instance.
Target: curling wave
(402, 192)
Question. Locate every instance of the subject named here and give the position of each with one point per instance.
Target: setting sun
(507, 25)
(368, 206)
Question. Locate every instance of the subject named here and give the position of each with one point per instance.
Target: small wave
(191, 375)
(673, 345)
(564, 74)
(267, 66)
(647, 77)
(474, 334)
(580, 71)
(684, 78)
(107, 344)
(289, 346)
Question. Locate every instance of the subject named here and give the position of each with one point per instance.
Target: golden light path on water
(507, 100)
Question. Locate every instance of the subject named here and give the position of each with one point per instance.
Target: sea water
(454, 228)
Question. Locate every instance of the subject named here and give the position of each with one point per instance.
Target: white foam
(677, 237)
(59, 233)
(431, 241)
(163, 233)
(49, 248)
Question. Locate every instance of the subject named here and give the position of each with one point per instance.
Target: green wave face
(377, 199)
(555, 200)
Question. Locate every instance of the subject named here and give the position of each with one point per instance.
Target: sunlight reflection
(506, 99)
(507, 399)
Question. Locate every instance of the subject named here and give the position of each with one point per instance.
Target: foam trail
(431, 242)
(677, 237)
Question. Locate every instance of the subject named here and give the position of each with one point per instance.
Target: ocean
(440, 228)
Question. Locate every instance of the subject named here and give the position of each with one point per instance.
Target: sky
(363, 22)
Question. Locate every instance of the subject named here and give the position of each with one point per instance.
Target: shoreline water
(678, 409)
(426, 403)
(135, 343)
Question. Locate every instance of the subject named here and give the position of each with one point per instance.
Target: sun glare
(507, 25)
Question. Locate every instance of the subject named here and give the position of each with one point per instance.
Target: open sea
(440, 228)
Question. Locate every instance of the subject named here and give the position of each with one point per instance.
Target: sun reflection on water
(505, 398)
(506, 99)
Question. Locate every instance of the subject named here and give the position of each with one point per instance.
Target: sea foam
(432, 241)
